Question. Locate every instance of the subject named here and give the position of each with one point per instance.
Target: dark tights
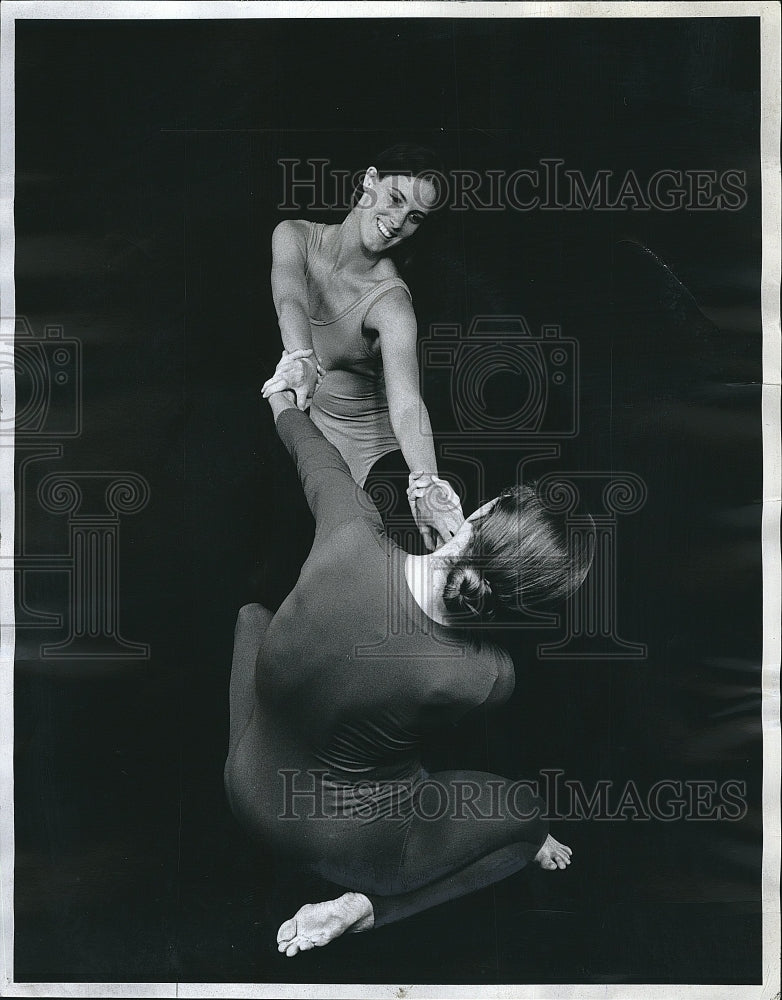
(443, 857)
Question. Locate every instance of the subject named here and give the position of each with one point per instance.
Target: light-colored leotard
(350, 406)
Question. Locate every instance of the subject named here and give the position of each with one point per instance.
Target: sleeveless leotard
(350, 406)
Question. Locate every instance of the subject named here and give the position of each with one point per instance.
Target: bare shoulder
(392, 311)
(290, 234)
(385, 269)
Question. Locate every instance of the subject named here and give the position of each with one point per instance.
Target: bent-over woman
(333, 696)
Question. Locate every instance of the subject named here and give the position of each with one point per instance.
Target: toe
(287, 931)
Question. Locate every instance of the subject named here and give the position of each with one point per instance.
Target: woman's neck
(347, 251)
(426, 582)
(426, 577)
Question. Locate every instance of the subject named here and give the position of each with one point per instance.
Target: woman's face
(392, 208)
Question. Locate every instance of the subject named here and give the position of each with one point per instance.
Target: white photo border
(769, 15)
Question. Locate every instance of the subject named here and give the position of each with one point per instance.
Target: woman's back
(354, 670)
(350, 677)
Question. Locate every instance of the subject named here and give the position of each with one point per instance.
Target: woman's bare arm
(395, 321)
(289, 291)
(289, 284)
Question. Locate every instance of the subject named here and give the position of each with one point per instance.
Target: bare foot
(315, 924)
(553, 855)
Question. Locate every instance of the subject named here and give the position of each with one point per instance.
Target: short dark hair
(408, 159)
(411, 160)
(520, 554)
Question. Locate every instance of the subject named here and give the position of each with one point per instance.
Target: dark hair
(520, 554)
(410, 160)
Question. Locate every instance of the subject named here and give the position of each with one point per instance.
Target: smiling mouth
(385, 232)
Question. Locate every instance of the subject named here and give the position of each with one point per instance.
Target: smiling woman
(349, 334)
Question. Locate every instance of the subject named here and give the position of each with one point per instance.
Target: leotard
(350, 405)
(351, 676)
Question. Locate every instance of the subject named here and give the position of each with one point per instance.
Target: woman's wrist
(284, 399)
(422, 484)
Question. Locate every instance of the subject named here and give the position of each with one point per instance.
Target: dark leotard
(351, 677)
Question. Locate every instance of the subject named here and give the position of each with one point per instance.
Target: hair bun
(467, 593)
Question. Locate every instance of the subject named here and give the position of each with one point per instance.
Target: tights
(331, 700)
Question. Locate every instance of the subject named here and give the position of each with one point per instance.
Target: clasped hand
(298, 371)
(434, 504)
(436, 508)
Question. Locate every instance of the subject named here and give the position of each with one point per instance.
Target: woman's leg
(494, 867)
(469, 830)
(251, 624)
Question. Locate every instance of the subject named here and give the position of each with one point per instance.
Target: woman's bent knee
(252, 618)
(228, 782)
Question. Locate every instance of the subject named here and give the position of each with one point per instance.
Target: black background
(147, 181)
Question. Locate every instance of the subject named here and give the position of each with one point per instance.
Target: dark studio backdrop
(147, 186)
